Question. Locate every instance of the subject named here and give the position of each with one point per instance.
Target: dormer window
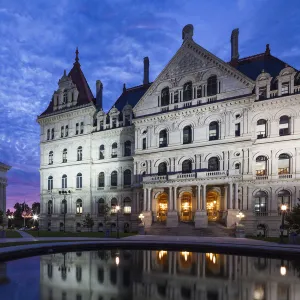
(285, 88)
(199, 91)
(176, 97)
(48, 134)
(262, 93)
(212, 85)
(127, 120)
(65, 97)
(187, 91)
(101, 125)
(165, 96)
(114, 123)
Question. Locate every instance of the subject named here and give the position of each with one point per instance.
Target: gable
(194, 63)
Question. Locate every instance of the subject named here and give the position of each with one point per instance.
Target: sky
(38, 40)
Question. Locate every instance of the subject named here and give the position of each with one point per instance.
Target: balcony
(182, 176)
(285, 176)
(154, 178)
(261, 177)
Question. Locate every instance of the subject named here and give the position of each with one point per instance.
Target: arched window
(261, 199)
(237, 166)
(213, 131)
(212, 85)
(284, 197)
(261, 166)
(79, 153)
(65, 98)
(187, 91)
(165, 96)
(114, 149)
(79, 181)
(64, 206)
(187, 135)
(79, 207)
(187, 166)
(127, 148)
(127, 177)
(101, 152)
(50, 207)
(163, 138)
(78, 273)
(261, 129)
(113, 204)
(64, 183)
(64, 158)
(127, 205)
(284, 125)
(213, 164)
(101, 206)
(162, 169)
(284, 164)
(101, 180)
(50, 157)
(114, 178)
(50, 183)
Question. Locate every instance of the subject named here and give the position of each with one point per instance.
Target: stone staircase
(187, 229)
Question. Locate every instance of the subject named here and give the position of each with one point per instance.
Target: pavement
(229, 245)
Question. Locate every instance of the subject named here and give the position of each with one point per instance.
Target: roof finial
(124, 88)
(77, 58)
(263, 70)
(268, 50)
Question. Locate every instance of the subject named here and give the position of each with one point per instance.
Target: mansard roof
(85, 95)
(131, 96)
(253, 65)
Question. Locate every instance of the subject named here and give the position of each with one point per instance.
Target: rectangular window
(62, 129)
(101, 125)
(48, 134)
(262, 93)
(79, 182)
(127, 120)
(52, 133)
(114, 123)
(127, 209)
(67, 130)
(285, 88)
(81, 127)
(77, 128)
(144, 143)
(237, 129)
(176, 97)
(199, 91)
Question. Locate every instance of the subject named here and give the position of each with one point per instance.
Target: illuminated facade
(108, 275)
(205, 140)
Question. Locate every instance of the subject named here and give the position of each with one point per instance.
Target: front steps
(187, 229)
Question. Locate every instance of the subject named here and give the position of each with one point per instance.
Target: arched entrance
(186, 207)
(212, 205)
(162, 207)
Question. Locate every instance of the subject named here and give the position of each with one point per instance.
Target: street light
(240, 216)
(117, 260)
(283, 270)
(35, 218)
(283, 210)
(117, 209)
(64, 206)
(141, 217)
(11, 217)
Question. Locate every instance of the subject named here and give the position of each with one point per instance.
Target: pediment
(194, 61)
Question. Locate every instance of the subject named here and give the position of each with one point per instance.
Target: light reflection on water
(114, 274)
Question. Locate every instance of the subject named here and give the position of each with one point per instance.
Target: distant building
(206, 139)
(3, 184)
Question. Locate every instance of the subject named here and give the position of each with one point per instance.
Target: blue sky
(39, 38)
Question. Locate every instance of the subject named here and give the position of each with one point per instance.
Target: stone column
(225, 197)
(170, 204)
(137, 202)
(198, 197)
(145, 199)
(230, 196)
(204, 197)
(236, 196)
(175, 198)
(149, 206)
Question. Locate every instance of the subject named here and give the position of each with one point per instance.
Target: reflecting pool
(121, 274)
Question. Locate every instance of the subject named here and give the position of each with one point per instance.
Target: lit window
(261, 129)
(260, 206)
(261, 166)
(284, 164)
(114, 203)
(79, 206)
(285, 88)
(127, 205)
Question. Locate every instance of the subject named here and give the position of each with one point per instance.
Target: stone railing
(285, 176)
(261, 177)
(186, 175)
(153, 178)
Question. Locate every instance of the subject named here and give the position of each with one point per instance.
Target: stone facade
(207, 139)
(3, 184)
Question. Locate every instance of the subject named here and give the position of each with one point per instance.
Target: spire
(76, 57)
(268, 50)
(124, 88)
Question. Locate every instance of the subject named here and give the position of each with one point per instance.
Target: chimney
(234, 46)
(99, 89)
(146, 70)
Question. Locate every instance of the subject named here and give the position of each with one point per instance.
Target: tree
(105, 210)
(2, 219)
(88, 222)
(35, 208)
(19, 208)
(293, 219)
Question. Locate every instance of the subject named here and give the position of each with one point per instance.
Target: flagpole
(24, 213)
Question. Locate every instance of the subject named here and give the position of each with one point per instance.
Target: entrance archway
(212, 205)
(186, 207)
(162, 207)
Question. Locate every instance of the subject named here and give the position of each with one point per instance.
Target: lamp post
(283, 210)
(35, 218)
(64, 206)
(117, 209)
(283, 269)
(11, 217)
(240, 216)
(141, 217)
(63, 268)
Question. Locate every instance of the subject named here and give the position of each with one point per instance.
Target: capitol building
(203, 141)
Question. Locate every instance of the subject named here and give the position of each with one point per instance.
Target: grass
(75, 234)
(12, 234)
(269, 239)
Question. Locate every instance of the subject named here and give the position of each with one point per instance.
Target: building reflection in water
(109, 275)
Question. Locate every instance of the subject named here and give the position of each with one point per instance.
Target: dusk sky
(39, 38)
